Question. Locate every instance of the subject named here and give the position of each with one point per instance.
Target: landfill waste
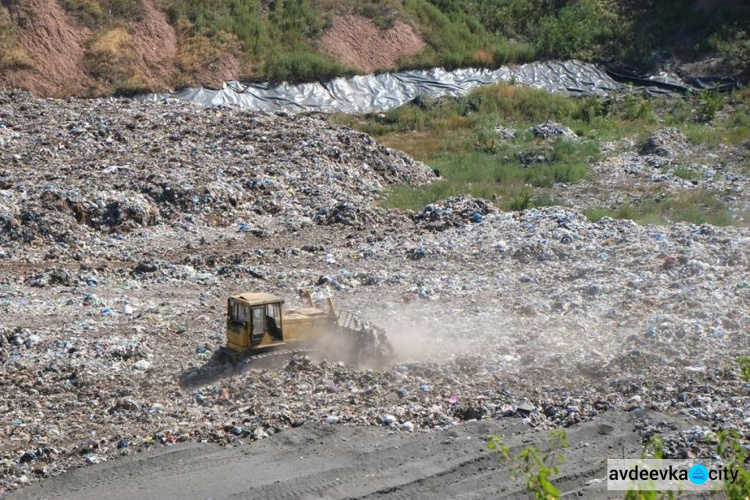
(506, 133)
(550, 129)
(666, 163)
(453, 212)
(202, 167)
(166, 209)
(666, 142)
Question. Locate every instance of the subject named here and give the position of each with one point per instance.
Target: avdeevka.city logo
(698, 474)
(667, 475)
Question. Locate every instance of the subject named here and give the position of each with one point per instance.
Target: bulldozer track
(340, 462)
(271, 358)
(281, 352)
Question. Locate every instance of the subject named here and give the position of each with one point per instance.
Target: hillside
(96, 47)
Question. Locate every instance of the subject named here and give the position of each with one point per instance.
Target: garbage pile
(666, 142)
(81, 167)
(554, 130)
(117, 259)
(453, 212)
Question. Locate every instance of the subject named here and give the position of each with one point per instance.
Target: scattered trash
(539, 314)
(142, 364)
(550, 129)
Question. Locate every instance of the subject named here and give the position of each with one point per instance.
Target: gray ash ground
(124, 227)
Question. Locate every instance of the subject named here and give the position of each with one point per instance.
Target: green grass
(303, 65)
(458, 137)
(695, 207)
(687, 173)
(489, 176)
(279, 39)
(458, 33)
(97, 14)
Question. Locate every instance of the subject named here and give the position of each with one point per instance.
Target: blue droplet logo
(698, 474)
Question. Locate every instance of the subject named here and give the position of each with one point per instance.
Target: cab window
(274, 311)
(238, 313)
(259, 323)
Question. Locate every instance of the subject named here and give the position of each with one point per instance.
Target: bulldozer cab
(254, 321)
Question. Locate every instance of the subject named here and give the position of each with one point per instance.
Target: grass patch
(459, 33)
(302, 65)
(687, 173)
(109, 59)
(12, 55)
(107, 55)
(197, 52)
(499, 175)
(279, 38)
(694, 207)
(458, 137)
(88, 12)
(97, 14)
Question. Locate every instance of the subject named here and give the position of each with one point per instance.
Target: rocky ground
(124, 227)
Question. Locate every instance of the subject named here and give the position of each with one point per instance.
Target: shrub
(89, 12)
(302, 66)
(680, 112)
(709, 103)
(573, 31)
(535, 466)
(522, 202)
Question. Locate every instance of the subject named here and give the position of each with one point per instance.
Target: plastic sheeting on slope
(374, 93)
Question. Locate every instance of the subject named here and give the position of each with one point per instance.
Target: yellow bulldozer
(257, 324)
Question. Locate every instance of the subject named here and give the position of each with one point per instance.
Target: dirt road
(319, 461)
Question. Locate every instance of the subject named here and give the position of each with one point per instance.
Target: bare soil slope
(58, 46)
(155, 46)
(357, 42)
(55, 44)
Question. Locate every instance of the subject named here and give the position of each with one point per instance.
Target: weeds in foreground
(535, 466)
(734, 454)
(654, 449)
